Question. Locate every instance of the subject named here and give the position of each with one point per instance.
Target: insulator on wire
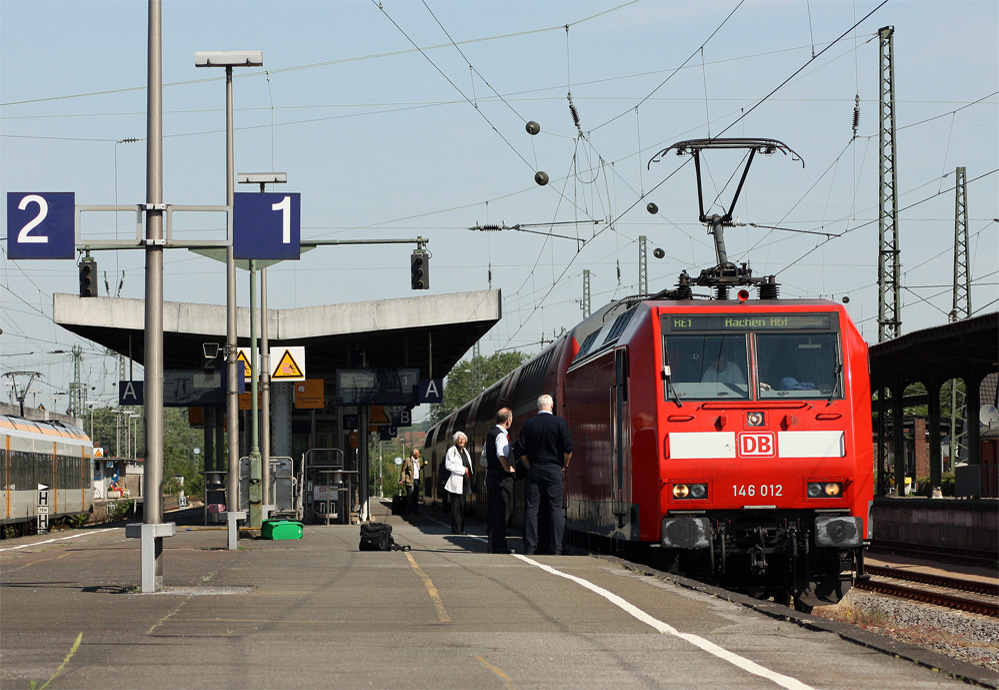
(575, 113)
(856, 116)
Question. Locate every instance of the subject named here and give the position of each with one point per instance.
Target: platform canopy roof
(429, 332)
(965, 348)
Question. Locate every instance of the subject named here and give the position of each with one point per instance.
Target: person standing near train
(500, 474)
(459, 464)
(545, 446)
(412, 471)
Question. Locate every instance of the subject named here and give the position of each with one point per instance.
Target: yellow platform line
(431, 590)
(505, 678)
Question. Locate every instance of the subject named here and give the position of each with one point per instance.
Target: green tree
(470, 377)
(108, 428)
(179, 442)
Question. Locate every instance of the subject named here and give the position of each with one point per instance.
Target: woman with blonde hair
(459, 463)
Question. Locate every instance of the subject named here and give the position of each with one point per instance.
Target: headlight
(825, 489)
(695, 491)
(755, 419)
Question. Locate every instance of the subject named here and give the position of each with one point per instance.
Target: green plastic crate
(281, 529)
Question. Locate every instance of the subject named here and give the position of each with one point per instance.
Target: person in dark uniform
(500, 474)
(545, 446)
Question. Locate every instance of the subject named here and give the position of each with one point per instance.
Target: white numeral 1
(285, 207)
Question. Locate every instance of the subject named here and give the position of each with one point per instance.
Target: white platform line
(49, 541)
(709, 647)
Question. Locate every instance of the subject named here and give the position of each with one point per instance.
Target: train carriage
(54, 454)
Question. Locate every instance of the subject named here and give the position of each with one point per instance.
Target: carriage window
(795, 365)
(708, 366)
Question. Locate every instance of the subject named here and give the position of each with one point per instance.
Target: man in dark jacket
(545, 446)
(500, 474)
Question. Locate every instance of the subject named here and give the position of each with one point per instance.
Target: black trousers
(500, 487)
(544, 493)
(457, 513)
(413, 497)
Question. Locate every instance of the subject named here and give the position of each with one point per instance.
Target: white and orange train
(49, 453)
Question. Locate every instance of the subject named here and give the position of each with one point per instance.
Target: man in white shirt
(724, 371)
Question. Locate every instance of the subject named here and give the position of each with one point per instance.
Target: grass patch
(76, 645)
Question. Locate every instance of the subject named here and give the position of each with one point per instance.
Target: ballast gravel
(965, 636)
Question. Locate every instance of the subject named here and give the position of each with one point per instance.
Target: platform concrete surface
(318, 613)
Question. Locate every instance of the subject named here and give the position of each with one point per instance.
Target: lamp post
(228, 60)
(260, 453)
(133, 437)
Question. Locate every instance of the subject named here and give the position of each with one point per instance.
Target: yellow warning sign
(288, 368)
(244, 357)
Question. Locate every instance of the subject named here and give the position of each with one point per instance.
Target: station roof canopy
(961, 349)
(430, 333)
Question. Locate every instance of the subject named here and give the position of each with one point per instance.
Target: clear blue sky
(384, 140)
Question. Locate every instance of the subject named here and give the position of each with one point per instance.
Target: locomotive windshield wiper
(836, 373)
(668, 376)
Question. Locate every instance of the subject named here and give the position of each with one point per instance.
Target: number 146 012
(750, 490)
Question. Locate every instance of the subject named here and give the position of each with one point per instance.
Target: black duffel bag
(377, 536)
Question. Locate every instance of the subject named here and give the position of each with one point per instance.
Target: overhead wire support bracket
(524, 227)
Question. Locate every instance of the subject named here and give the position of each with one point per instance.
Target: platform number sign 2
(40, 225)
(267, 226)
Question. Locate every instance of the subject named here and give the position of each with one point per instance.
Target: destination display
(376, 386)
(749, 322)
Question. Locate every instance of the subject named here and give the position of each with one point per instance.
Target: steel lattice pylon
(961, 309)
(643, 268)
(586, 293)
(962, 277)
(889, 262)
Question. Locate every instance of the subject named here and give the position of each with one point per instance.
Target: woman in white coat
(459, 463)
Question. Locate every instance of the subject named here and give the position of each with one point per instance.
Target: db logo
(758, 445)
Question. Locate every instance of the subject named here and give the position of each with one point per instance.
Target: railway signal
(419, 267)
(88, 277)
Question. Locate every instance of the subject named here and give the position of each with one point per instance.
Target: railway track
(938, 553)
(964, 595)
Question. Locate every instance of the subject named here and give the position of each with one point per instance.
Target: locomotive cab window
(796, 365)
(772, 356)
(708, 366)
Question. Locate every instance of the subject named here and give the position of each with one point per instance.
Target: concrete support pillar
(363, 462)
(232, 519)
(933, 424)
(898, 436)
(973, 403)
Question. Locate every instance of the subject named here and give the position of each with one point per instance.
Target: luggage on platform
(377, 536)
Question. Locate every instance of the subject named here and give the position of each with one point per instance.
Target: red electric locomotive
(735, 435)
(731, 439)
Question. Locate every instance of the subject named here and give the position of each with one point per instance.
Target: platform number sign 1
(267, 226)
(40, 225)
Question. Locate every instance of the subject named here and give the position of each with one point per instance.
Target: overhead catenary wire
(732, 124)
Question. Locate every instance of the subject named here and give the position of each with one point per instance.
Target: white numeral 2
(25, 236)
